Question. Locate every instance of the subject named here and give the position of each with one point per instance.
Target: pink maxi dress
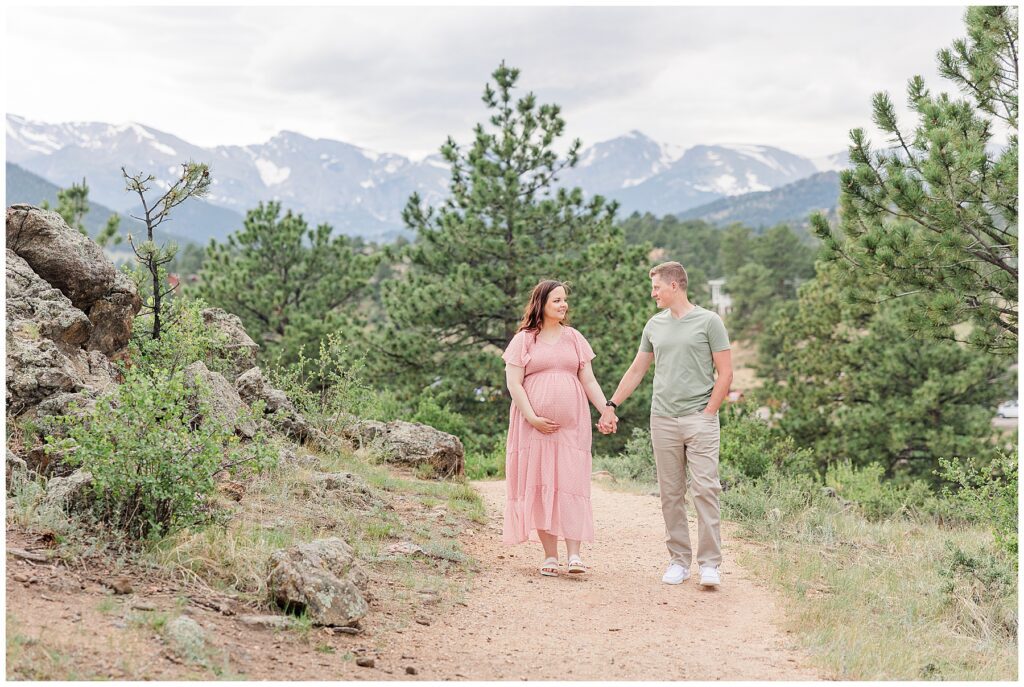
(547, 476)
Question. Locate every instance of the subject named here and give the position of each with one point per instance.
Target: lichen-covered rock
(321, 577)
(69, 493)
(224, 401)
(186, 638)
(39, 310)
(74, 264)
(240, 350)
(278, 408)
(412, 444)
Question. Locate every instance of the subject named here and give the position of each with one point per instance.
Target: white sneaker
(676, 574)
(709, 576)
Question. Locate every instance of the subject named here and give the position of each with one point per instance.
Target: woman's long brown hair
(533, 314)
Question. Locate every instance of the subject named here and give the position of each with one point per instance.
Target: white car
(1007, 409)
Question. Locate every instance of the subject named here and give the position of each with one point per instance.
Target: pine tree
(504, 227)
(194, 182)
(935, 214)
(290, 284)
(852, 382)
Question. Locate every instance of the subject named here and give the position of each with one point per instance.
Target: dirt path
(617, 622)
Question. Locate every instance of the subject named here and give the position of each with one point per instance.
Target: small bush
(982, 592)
(750, 447)
(987, 495)
(186, 339)
(877, 497)
(483, 464)
(430, 412)
(636, 462)
(329, 388)
(152, 468)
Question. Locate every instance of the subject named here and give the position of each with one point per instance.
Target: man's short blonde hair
(669, 272)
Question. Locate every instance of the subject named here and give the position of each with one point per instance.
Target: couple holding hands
(548, 452)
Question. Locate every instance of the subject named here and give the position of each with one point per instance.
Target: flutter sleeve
(516, 353)
(583, 350)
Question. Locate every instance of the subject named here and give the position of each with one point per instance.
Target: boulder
(187, 638)
(112, 317)
(321, 577)
(253, 387)
(69, 493)
(222, 398)
(412, 444)
(73, 263)
(239, 349)
(36, 371)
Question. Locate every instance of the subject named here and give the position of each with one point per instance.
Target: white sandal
(576, 564)
(549, 568)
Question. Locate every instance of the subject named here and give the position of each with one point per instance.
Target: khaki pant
(690, 442)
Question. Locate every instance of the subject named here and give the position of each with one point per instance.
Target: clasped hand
(608, 424)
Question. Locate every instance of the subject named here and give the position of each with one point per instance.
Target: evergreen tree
(853, 383)
(503, 228)
(194, 182)
(935, 213)
(73, 204)
(290, 284)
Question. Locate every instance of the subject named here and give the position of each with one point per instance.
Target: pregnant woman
(548, 461)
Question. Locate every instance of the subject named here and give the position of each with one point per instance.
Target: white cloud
(403, 79)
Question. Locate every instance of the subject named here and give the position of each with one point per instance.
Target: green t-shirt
(684, 371)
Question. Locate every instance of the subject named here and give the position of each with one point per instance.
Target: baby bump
(556, 396)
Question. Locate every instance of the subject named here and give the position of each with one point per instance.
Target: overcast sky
(401, 79)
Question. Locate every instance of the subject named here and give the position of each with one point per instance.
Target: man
(687, 345)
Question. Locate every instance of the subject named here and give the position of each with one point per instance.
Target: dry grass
(282, 508)
(878, 601)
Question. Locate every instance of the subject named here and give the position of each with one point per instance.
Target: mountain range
(362, 192)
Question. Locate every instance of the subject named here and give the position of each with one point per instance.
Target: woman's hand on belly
(544, 425)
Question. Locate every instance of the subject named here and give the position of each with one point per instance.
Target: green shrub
(636, 462)
(186, 339)
(430, 412)
(486, 464)
(982, 591)
(152, 468)
(987, 495)
(750, 447)
(330, 388)
(773, 499)
(879, 498)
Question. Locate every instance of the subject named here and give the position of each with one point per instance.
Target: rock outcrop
(74, 264)
(279, 409)
(321, 577)
(69, 311)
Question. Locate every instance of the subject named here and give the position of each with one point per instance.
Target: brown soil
(616, 622)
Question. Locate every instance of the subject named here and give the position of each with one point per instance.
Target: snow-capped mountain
(363, 192)
(832, 163)
(610, 166)
(707, 172)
